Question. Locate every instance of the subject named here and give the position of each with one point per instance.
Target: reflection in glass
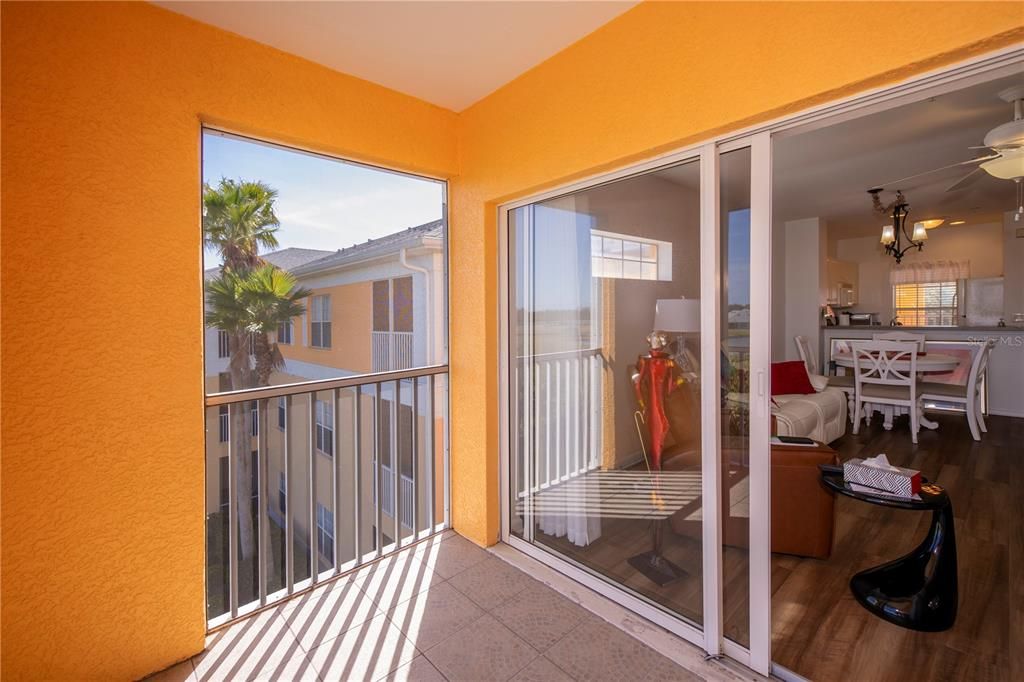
(735, 475)
(605, 434)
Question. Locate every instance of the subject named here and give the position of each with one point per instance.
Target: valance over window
(930, 271)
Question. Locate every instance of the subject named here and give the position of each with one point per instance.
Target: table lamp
(679, 316)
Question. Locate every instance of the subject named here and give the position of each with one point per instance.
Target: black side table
(917, 591)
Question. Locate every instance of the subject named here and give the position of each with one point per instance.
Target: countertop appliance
(863, 319)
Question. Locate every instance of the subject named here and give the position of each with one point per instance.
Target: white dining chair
(968, 395)
(879, 382)
(919, 339)
(843, 383)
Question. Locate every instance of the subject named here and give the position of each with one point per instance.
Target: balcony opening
(326, 367)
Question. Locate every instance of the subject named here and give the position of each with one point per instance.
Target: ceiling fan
(1006, 142)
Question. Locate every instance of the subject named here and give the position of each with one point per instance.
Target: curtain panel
(930, 271)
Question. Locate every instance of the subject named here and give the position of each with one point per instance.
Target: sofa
(821, 415)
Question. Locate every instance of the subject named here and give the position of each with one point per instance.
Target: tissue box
(893, 480)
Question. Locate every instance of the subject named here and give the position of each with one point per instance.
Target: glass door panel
(734, 193)
(604, 343)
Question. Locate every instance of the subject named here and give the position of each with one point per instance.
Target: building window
(223, 423)
(320, 326)
(392, 338)
(282, 492)
(284, 332)
(223, 344)
(619, 256)
(325, 428)
(282, 413)
(928, 304)
(325, 532)
(252, 344)
(225, 472)
(255, 413)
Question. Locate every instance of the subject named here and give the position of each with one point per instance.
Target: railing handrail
(562, 353)
(266, 392)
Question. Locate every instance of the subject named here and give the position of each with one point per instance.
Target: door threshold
(669, 645)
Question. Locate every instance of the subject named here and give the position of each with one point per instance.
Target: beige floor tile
(541, 670)
(483, 650)
(183, 672)
(261, 647)
(391, 581)
(665, 670)
(366, 652)
(596, 650)
(418, 669)
(449, 556)
(433, 615)
(491, 583)
(328, 613)
(540, 615)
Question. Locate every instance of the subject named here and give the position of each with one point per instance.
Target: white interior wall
(805, 249)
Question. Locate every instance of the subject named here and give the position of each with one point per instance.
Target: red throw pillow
(790, 377)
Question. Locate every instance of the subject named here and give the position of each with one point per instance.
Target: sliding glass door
(633, 387)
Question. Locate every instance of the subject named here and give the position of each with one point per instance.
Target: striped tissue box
(893, 480)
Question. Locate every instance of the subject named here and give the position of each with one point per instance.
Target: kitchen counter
(907, 328)
(1006, 363)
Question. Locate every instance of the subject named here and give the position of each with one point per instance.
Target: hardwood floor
(819, 630)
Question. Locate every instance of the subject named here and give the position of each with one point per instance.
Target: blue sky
(323, 204)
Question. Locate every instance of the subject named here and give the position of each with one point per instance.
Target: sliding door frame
(989, 66)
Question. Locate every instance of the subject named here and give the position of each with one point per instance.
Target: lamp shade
(920, 233)
(888, 234)
(677, 315)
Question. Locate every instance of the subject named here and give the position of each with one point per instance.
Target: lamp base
(656, 568)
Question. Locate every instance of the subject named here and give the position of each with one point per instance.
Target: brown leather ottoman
(802, 509)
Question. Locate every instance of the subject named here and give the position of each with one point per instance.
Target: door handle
(760, 383)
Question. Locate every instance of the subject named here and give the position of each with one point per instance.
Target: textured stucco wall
(102, 479)
(659, 76)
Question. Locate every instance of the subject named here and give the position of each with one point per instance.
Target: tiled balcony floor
(441, 610)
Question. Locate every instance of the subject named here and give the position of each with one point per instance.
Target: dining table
(927, 363)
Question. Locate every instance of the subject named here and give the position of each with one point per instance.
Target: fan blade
(966, 180)
(980, 159)
(999, 148)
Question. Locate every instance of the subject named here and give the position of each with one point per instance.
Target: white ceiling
(827, 172)
(448, 53)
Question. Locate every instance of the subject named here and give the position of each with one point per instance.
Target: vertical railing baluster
(552, 471)
(357, 476)
(336, 487)
(415, 458)
(377, 468)
(262, 499)
(559, 413)
(289, 492)
(446, 459)
(232, 518)
(313, 562)
(396, 464)
(433, 461)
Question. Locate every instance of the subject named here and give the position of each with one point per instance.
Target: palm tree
(239, 220)
(248, 305)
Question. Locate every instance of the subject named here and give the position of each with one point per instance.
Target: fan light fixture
(930, 224)
(893, 235)
(1009, 166)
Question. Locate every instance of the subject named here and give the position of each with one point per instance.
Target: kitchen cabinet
(841, 281)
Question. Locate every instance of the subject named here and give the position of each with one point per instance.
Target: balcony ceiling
(448, 53)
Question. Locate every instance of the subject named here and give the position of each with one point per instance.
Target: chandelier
(894, 235)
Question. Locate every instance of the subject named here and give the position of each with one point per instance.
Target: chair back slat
(979, 366)
(803, 347)
(901, 336)
(875, 362)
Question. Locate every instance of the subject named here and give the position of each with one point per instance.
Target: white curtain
(565, 303)
(929, 271)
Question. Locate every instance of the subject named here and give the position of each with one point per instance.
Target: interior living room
(955, 296)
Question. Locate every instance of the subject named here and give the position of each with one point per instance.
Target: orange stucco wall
(660, 76)
(351, 322)
(102, 431)
(102, 479)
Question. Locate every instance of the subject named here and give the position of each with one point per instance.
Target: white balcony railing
(391, 351)
(387, 497)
